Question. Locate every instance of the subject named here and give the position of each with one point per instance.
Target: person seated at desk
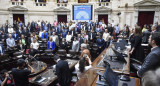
(44, 35)
(51, 44)
(10, 42)
(152, 60)
(4, 78)
(32, 51)
(151, 78)
(21, 74)
(81, 66)
(85, 50)
(35, 44)
(20, 46)
(1, 50)
(62, 71)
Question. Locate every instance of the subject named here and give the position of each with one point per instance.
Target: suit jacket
(42, 37)
(93, 36)
(15, 37)
(19, 47)
(10, 42)
(100, 42)
(63, 46)
(74, 33)
(4, 30)
(26, 33)
(52, 44)
(3, 36)
(63, 73)
(151, 61)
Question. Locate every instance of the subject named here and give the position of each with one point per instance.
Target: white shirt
(68, 38)
(75, 46)
(1, 49)
(10, 30)
(105, 36)
(79, 74)
(35, 45)
(40, 33)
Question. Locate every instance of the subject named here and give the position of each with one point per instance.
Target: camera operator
(20, 74)
(4, 77)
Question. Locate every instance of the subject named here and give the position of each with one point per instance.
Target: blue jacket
(43, 36)
(15, 38)
(53, 45)
(64, 34)
(100, 42)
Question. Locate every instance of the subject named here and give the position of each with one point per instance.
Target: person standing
(20, 74)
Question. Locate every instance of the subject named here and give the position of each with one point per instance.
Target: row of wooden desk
(90, 77)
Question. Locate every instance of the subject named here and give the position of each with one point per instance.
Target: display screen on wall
(82, 12)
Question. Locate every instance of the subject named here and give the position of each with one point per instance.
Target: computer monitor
(119, 44)
(110, 76)
(120, 56)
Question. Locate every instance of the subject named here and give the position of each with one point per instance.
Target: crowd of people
(77, 36)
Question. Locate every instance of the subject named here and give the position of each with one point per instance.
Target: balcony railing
(17, 3)
(40, 3)
(103, 3)
(62, 4)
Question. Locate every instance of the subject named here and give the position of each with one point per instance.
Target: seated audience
(152, 60)
(21, 74)
(10, 42)
(81, 67)
(62, 71)
(32, 51)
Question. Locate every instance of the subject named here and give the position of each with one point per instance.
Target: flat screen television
(82, 12)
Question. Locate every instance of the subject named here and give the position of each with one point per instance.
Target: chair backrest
(61, 51)
(4, 57)
(72, 52)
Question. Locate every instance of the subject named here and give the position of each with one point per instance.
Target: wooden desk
(126, 69)
(90, 77)
(50, 75)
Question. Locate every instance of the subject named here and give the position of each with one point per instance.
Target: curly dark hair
(156, 38)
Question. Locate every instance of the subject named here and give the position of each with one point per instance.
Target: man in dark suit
(49, 26)
(3, 36)
(15, 36)
(4, 29)
(110, 29)
(153, 58)
(25, 32)
(19, 31)
(62, 71)
(32, 26)
(80, 39)
(92, 36)
(72, 32)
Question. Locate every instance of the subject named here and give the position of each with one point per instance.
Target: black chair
(4, 58)
(72, 54)
(61, 52)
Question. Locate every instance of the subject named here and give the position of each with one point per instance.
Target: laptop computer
(120, 56)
